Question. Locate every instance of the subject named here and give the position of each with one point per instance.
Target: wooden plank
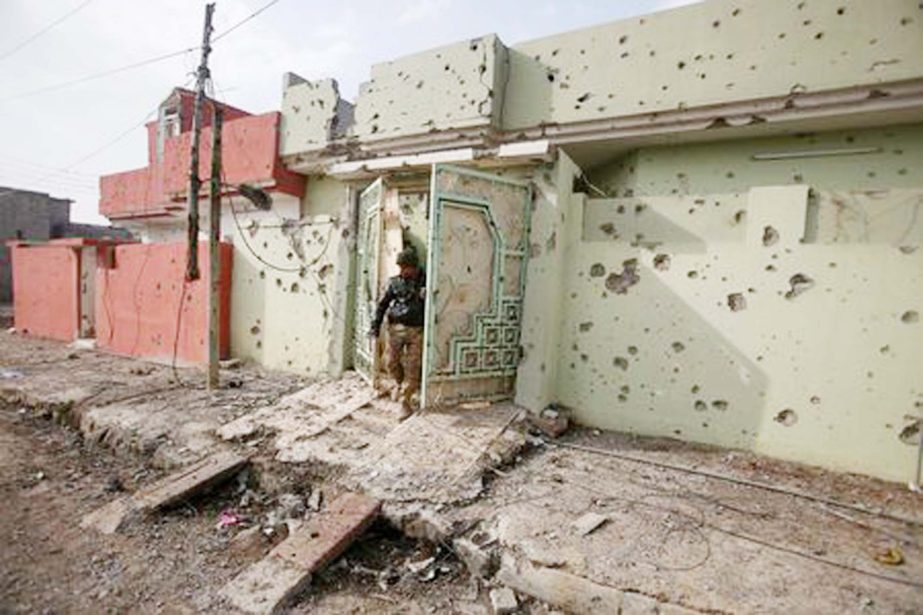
(269, 584)
(198, 477)
(166, 492)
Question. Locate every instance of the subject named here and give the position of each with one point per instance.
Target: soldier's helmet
(408, 257)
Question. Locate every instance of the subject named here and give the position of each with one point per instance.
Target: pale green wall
(670, 357)
(455, 86)
(719, 51)
(728, 166)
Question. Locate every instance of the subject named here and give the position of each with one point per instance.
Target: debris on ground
(503, 601)
(589, 523)
(892, 556)
(553, 421)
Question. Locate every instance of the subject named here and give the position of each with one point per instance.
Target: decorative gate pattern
(368, 248)
(479, 233)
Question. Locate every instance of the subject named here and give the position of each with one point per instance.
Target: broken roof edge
(851, 106)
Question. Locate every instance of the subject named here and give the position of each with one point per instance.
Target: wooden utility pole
(192, 202)
(214, 253)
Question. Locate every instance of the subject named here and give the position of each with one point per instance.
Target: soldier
(403, 303)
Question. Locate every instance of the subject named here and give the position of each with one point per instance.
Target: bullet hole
(678, 347)
(692, 274)
(700, 406)
(584, 97)
(910, 316)
(552, 242)
(584, 358)
(623, 39)
(720, 405)
(551, 77)
(640, 207)
(597, 270)
(585, 326)
(255, 330)
(905, 21)
(696, 388)
(739, 216)
(737, 302)
(374, 128)
(770, 236)
(799, 283)
(294, 288)
(910, 434)
(621, 363)
(786, 417)
(622, 398)
(716, 23)
(907, 249)
(815, 399)
(632, 350)
(735, 12)
(681, 65)
(662, 262)
(885, 349)
(841, 10)
(729, 174)
(609, 229)
(619, 283)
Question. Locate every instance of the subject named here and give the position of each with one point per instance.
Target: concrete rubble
(559, 521)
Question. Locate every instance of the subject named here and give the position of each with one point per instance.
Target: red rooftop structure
(249, 152)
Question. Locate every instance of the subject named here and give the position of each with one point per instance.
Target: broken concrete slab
(503, 601)
(166, 492)
(589, 523)
(439, 456)
(269, 584)
(576, 594)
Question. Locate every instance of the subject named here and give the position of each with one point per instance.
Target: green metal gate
(368, 249)
(476, 275)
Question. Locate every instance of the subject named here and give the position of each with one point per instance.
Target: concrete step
(175, 488)
(266, 586)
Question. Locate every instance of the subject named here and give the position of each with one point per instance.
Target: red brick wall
(141, 299)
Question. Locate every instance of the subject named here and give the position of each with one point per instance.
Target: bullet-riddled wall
(714, 52)
(290, 276)
(764, 304)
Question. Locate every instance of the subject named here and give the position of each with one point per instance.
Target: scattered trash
(589, 523)
(141, 370)
(248, 542)
(230, 363)
(421, 565)
(892, 556)
(11, 330)
(229, 518)
(39, 476)
(10, 374)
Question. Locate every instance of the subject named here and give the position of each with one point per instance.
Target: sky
(60, 140)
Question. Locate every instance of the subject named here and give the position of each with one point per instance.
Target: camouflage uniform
(403, 303)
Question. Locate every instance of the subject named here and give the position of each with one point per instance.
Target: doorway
(471, 229)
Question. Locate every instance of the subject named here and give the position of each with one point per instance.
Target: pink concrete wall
(249, 152)
(141, 299)
(46, 290)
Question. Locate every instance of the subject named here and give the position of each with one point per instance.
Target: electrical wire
(134, 65)
(99, 75)
(243, 21)
(42, 31)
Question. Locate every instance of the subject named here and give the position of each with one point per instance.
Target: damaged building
(699, 224)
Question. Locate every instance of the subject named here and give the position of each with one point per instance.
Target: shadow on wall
(643, 359)
(525, 73)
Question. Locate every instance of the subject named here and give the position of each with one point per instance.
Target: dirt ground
(172, 563)
(78, 428)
